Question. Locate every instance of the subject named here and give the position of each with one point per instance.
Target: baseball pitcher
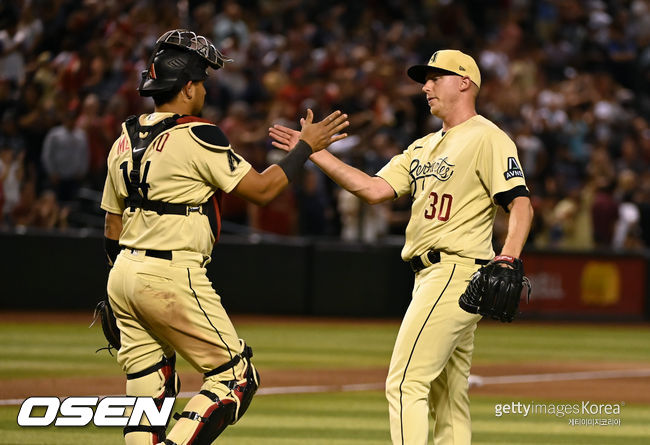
(456, 178)
(166, 174)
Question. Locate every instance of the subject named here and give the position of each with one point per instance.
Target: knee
(392, 389)
(241, 389)
(158, 381)
(220, 403)
(406, 387)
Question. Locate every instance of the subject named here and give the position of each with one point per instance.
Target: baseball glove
(495, 289)
(105, 314)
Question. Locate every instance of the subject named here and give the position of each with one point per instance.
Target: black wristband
(112, 249)
(292, 163)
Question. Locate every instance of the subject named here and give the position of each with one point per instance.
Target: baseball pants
(166, 306)
(431, 360)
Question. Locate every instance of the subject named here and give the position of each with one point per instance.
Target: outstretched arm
(261, 188)
(371, 189)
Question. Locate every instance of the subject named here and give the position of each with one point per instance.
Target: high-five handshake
(317, 135)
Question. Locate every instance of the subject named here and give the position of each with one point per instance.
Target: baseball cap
(451, 61)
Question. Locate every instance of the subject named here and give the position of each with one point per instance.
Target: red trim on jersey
(216, 200)
(187, 119)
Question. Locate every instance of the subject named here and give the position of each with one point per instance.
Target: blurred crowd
(569, 80)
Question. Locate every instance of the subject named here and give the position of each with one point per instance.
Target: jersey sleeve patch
(210, 136)
(233, 161)
(514, 170)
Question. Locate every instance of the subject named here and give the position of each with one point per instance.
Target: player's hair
(166, 96)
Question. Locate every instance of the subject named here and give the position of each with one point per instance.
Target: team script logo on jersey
(439, 169)
(513, 169)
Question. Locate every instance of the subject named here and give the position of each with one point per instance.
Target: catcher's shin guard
(207, 414)
(143, 435)
(204, 419)
(158, 381)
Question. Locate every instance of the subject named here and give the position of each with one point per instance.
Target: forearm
(112, 226)
(521, 216)
(273, 181)
(112, 231)
(352, 179)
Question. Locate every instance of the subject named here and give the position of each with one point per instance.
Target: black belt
(165, 208)
(162, 254)
(434, 257)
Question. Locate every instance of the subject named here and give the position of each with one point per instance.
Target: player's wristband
(292, 163)
(507, 258)
(112, 249)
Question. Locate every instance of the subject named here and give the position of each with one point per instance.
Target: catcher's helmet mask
(179, 56)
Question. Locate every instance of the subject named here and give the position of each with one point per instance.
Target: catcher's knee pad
(158, 381)
(207, 414)
(242, 389)
(245, 389)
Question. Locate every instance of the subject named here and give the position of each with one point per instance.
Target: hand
(285, 138)
(318, 135)
(495, 289)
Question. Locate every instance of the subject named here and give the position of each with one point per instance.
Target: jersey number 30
(443, 210)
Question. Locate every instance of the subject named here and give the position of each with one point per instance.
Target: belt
(162, 254)
(165, 208)
(433, 256)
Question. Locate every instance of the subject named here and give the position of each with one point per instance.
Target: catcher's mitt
(105, 314)
(495, 289)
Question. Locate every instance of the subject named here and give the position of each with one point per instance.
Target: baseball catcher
(167, 173)
(495, 289)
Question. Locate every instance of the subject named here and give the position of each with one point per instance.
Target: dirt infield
(628, 389)
(556, 385)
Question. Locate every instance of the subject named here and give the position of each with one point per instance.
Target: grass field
(357, 418)
(53, 349)
(34, 350)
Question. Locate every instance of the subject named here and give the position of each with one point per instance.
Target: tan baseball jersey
(455, 178)
(186, 164)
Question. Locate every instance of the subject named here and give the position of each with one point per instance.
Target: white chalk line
(474, 380)
(562, 376)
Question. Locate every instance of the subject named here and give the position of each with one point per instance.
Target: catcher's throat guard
(179, 56)
(495, 289)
